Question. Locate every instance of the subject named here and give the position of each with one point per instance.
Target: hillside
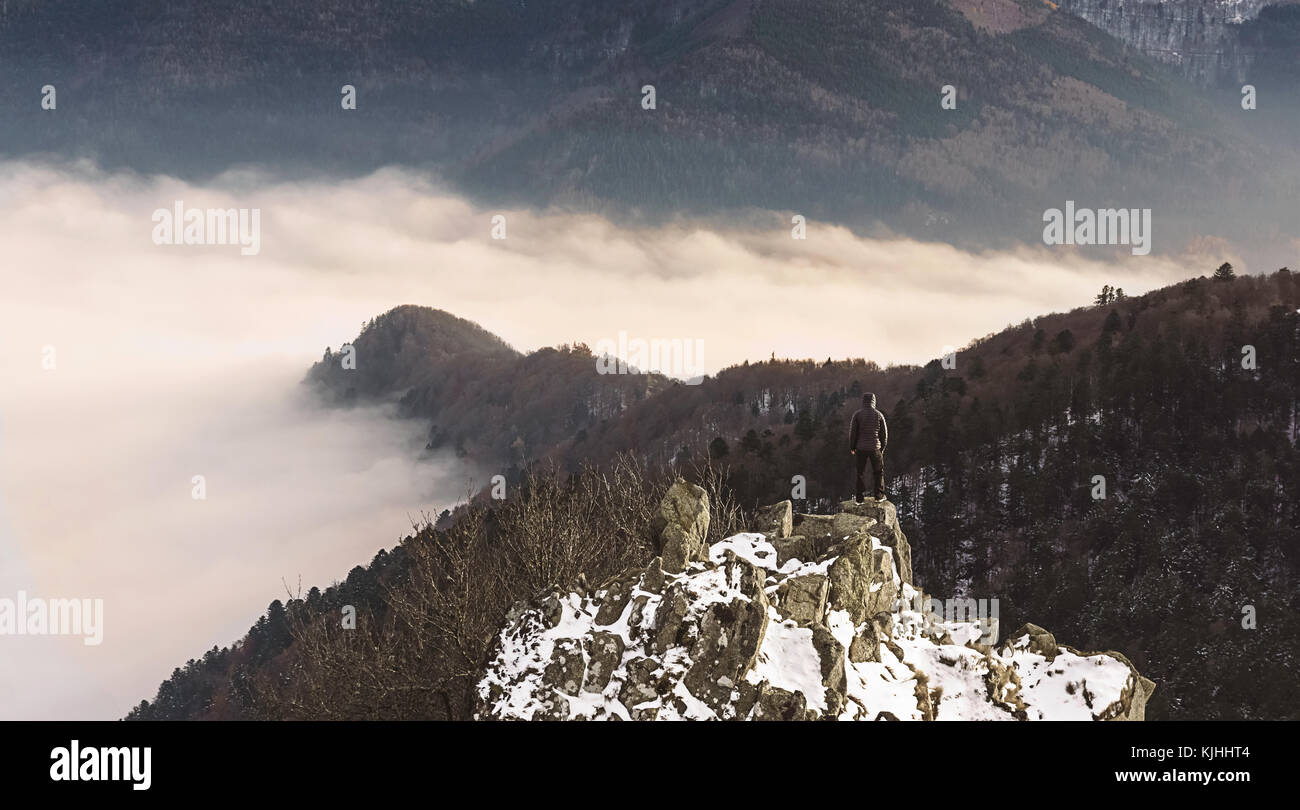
(406, 347)
(483, 399)
(826, 107)
(992, 468)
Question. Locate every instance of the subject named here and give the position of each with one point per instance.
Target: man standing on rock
(868, 437)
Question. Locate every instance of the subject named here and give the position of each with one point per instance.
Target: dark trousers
(877, 459)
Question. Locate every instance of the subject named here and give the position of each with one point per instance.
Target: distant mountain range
(828, 108)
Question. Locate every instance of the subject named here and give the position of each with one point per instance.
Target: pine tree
(803, 430)
(1224, 273)
(718, 448)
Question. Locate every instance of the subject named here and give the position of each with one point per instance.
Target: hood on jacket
(868, 400)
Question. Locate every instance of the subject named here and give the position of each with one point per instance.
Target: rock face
(1199, 37)
(811, 617)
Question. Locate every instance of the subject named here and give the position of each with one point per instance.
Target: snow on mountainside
(808, 617)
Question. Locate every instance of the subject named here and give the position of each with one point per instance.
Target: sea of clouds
(174, 361)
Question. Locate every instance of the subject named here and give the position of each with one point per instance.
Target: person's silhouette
(868, 437)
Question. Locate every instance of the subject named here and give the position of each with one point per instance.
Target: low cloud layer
(174, 361)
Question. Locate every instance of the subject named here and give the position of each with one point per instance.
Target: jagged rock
(779, 704)
(1003, 686)
(831, 528)
(775, 521)
(650, 713)
(682, 525)
(743, 575)
(1106, 683)
(604, 653)
(802, 599)
(831, 653)
(884, 622)
(746, 696)
(886, 529)
(893, 648)
(1040, 641)
(730, 635)
(642, 684)
(566, 668)
(653, 579)
(1132, 702)
(862, 579)
(614, 596)
(745, 633)
(670, 616)
(795, 547)
(553, 706)
(1138, 708)
(637, 624)
(818, 526)
(552, 611)
(845, 524)
(866, 644)
(924, 698)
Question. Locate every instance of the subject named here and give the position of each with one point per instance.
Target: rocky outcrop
(682, 525)
(808, 617)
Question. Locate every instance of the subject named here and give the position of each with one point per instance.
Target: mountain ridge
(644, 394)
(995, 480)
(827, 108)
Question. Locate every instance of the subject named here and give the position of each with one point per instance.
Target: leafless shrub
(422, 657)
(726, 517)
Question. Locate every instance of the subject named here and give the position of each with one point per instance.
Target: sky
(130, 367)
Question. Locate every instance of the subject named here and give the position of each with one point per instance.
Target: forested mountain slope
(1183, 401)
(831, 108)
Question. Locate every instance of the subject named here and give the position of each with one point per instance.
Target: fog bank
(131, 367)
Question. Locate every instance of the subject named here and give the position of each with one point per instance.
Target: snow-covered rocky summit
(808, 617)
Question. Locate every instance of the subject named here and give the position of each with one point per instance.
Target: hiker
(868, 437)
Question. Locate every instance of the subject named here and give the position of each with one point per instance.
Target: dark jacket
(868, 431)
